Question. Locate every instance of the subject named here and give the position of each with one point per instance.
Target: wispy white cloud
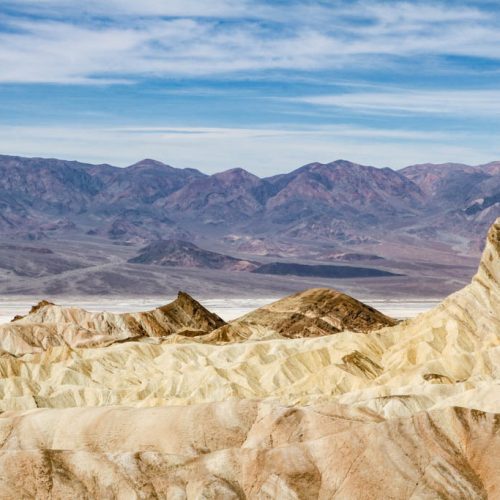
(341, 43)
(403, 102)
(114, 8)
(264, 151)
(327, 131)
(195, 38)
(63, 53)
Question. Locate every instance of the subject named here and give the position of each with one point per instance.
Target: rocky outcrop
(312, 313)
(48, 325)
(466, 323)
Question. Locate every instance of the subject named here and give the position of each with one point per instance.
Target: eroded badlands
(316, 396)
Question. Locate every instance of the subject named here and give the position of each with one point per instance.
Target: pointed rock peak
(322, 310)
(342, 163)
(34, 309)
(324, 167)
(156, 166)
(347, 165)
(194, 310)
(40, 304)
(489, 268)
(185, 297)
(182, 297)
(322, 300)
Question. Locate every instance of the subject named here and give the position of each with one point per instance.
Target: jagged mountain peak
(309, 203)
(50, 325)
(187, 311)
(346, 164)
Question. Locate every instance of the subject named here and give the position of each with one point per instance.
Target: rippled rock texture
(248, 449)
(48, 325)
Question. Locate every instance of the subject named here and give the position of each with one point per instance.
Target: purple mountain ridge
(338, 202)
(75, 228)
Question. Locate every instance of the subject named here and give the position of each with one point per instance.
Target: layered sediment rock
(48, 325)
(406, 411)
(247, 449)
(312, 313)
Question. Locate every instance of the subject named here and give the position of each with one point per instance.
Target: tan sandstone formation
(248, 449)
(448, 356)
(410, 411)
(48, 325)
(312, 313)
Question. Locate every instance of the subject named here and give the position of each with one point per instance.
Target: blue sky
(267, 86)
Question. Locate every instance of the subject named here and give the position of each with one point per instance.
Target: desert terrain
(249, 249)
(332, 332)
(176, 402)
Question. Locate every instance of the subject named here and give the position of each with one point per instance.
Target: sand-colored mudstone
(406, 411)
(248, 449)
(48, 325)
(312, 313)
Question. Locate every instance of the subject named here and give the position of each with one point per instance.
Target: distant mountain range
(76, 226)
(336, 202)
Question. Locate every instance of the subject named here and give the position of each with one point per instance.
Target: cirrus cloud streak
(177, 39)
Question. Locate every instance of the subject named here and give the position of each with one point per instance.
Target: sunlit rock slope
(312, 313)
(248, 449)
(48, 325)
